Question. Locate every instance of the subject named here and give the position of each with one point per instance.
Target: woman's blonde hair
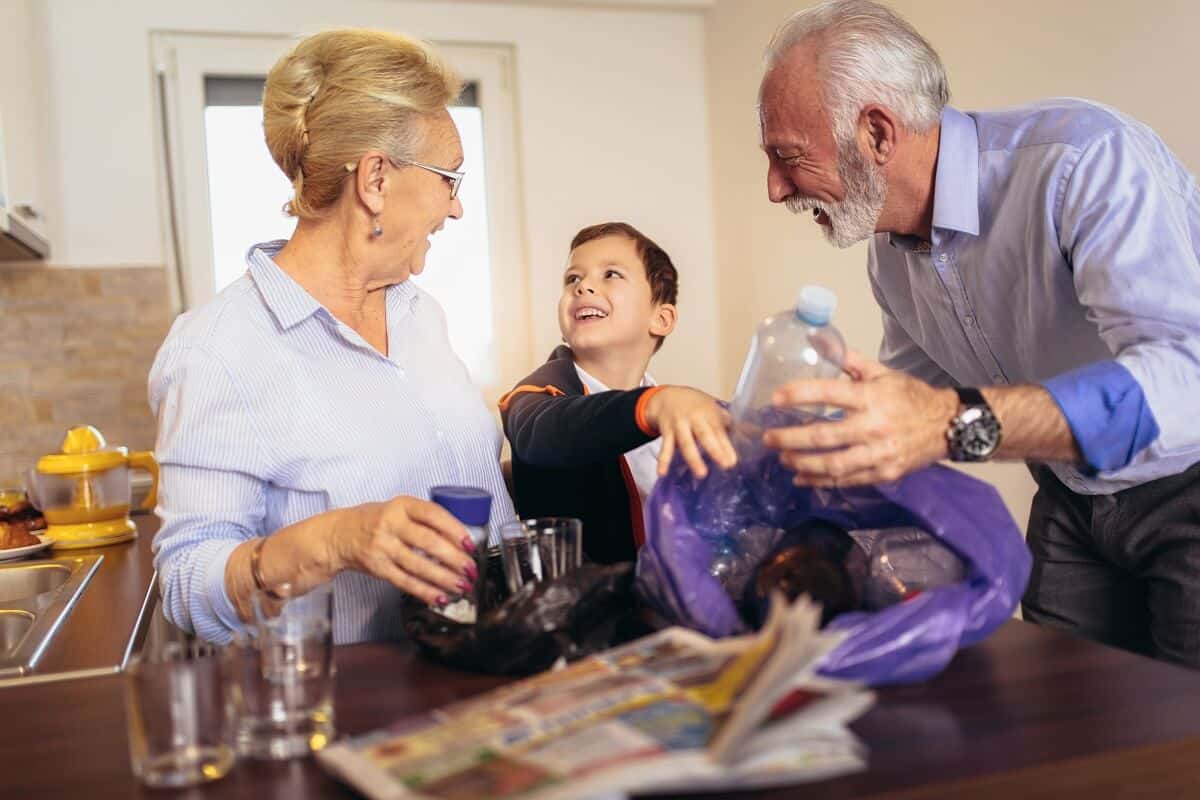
(340, 93)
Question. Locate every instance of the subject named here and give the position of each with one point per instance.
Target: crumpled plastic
(583, 612)
(689, 520)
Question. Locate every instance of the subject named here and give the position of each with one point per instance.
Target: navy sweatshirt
(568, 451)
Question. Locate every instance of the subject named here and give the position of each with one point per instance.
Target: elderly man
(1038, 275)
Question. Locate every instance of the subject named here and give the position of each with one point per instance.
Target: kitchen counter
(95, 636)
(1031, 712)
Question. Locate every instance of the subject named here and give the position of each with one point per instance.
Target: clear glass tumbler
(540, 549)
(282, 676)
(178, 717)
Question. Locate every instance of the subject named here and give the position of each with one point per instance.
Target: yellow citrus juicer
(84, 491)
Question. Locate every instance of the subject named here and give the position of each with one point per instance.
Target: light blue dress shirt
(1065, 252)
(271, 411)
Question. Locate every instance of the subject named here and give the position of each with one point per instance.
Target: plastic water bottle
(794, 344)
(905, 562)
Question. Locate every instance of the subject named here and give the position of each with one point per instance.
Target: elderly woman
(305, 412)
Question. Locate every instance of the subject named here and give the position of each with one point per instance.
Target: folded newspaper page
(673, 711)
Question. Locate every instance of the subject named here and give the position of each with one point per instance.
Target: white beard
(853, 219)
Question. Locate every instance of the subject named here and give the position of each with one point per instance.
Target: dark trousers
(1122, 569)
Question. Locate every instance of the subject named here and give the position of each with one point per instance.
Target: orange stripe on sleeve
(639, 411)
(553, 391)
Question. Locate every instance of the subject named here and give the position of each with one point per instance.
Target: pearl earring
(377, 231)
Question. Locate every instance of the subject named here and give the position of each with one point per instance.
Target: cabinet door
(23, 85)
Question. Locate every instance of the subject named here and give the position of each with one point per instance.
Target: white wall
(1140, 59)
(612, 123)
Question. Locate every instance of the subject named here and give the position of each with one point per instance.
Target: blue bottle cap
(816, 305)
(469, 505)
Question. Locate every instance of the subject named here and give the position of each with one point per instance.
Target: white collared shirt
(642, 461)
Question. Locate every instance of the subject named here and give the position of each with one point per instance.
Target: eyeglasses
(455, 178)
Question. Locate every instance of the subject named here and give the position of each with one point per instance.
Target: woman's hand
(413, 544)
(689, 419)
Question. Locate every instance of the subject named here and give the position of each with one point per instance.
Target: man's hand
(893, 424)
(689, 419)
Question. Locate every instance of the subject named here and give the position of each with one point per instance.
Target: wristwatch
(974, 433)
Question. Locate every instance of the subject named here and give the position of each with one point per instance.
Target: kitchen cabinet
(24, 129)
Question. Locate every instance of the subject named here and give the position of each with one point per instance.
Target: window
(227, 194)
(246, 191)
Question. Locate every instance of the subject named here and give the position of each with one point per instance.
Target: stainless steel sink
(14, 627)
(35, 597)
(20, 581)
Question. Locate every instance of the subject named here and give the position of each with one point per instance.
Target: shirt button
(942, 258)
(998, 379)
(968, 320)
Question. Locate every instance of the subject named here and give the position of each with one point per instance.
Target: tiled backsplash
(76, 346)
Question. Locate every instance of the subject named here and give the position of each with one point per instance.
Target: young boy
(590, 430)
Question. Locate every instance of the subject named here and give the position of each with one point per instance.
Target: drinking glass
(283, 671)
(180, 723)
(540, 549)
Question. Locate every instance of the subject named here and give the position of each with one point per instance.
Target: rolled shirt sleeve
(1129, 227)
(1107, 412)
(211, 498)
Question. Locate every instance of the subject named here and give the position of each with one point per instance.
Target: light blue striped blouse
(270, 411)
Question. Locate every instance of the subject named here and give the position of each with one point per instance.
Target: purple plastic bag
(904, 643)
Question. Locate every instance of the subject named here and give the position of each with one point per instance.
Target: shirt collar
(288, 300)
(593, 384)
(956, 182)
(401, 299)
(956, 186)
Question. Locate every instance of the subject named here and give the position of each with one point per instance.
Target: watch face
(977, 434)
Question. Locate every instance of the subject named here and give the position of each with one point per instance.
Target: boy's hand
(689, 419)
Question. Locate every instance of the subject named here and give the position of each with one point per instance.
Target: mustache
(804, 205)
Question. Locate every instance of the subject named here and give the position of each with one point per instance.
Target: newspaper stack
(674, 711)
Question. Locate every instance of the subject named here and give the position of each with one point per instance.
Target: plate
(28, 550)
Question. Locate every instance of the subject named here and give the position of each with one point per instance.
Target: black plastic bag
(583, 612)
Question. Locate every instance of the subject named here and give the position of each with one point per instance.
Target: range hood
(20, 239)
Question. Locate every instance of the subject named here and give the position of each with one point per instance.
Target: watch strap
(970, 396)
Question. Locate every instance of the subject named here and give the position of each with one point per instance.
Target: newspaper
(673, 711)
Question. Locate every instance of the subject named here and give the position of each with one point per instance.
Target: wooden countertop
(1029, 713)
(96, 632)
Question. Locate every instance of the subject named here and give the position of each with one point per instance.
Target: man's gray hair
(868, 54)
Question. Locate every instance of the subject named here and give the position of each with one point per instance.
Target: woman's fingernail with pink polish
(468, 544)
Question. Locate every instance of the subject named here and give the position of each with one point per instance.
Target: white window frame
(186, 59)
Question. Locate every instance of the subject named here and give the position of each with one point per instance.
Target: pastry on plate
(14, 535)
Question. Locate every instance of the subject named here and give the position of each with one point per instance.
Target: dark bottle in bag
(816, 558)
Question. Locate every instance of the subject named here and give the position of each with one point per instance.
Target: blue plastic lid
(816, 305)
(469, 505)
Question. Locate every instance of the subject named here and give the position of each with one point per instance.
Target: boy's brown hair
(660, 272)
